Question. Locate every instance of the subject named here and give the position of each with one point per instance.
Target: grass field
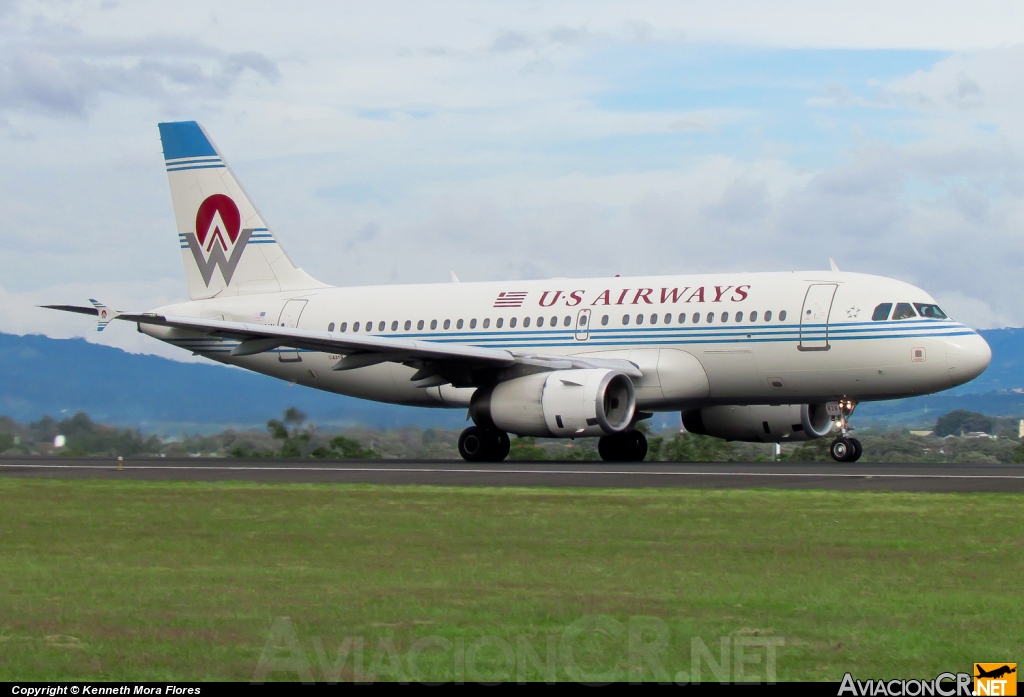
(162, 581)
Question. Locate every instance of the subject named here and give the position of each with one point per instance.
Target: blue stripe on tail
(184, 139)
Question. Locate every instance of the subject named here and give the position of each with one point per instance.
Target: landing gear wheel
(483, 445)
(500, 446)
(473, 444)
(843, 449)
(858, 449)
(630, 446)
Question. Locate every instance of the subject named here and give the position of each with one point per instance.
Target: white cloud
(389, 142)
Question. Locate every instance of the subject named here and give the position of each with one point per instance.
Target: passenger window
(768, 316)
(419, 325)
(500, 321)
(540, 322)
(380, 327)
(903, 311)
(739, 316)
(526, 322)
(682, 318)
(668, 318)
(458, 325)
(881, 312)
(487, 322)
(696, 317)
(369, 326)
(472, 324)
(355, 327)
(725, 316)
(654, 319)
(447, 324)
(711, 317)
(639, 319)
(782, 316)
(583, 321)
(512, 323)
(568, 320)
(604, 321)
(343, 327)
(930, 311)
(753, 316)
(330, 327)
(625, 320)
(408, 325)
(394, 326)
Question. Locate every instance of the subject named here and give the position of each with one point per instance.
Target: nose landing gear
(845, 448)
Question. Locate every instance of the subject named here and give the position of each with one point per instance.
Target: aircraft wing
(437, 363)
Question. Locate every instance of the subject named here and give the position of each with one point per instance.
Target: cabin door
(290, 318)
(814, 317)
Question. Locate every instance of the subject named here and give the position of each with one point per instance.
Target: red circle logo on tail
(216, 211)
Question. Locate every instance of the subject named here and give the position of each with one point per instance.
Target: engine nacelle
(761, 423)
(561, 404)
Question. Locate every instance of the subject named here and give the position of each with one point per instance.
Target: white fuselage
(700, 340)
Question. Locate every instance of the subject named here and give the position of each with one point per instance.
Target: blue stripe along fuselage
(649, 336)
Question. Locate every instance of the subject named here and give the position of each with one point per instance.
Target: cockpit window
(903, 311)
(881, 312)
(930, 311)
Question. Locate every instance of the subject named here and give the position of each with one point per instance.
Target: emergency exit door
(583, 325)
(814, 317)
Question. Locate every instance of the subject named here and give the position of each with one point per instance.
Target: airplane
(995, 672)
(760, 357)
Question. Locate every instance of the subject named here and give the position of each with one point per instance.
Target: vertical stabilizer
(227, 247)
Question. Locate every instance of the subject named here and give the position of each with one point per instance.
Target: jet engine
(562, 403)
(761, 423)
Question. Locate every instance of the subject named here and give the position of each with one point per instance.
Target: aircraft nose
(967, 357)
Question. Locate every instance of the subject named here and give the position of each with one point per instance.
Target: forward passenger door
(814, 317)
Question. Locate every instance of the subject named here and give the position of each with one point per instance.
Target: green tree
(345, 448)
(690, 447)
(293, 441)
(526, 448)
(962, 421)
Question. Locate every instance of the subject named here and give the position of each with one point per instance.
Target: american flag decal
(510, 299)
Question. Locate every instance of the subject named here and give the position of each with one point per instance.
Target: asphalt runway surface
(717, 475)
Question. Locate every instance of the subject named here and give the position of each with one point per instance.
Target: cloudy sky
(388, 142)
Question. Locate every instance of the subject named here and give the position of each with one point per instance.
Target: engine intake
(563, 404)
(761, 423)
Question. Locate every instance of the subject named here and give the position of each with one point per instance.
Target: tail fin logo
(218, 240)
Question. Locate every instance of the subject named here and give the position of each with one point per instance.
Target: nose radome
(967, 357)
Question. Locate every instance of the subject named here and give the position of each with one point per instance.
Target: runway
(832, 476)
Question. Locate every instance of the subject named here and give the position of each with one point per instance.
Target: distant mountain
(42, 376)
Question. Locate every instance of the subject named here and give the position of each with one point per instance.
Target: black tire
(858, 449)
(500, 445)
(630, 446)
(842, 449)
(608, 448)
(474, 444)
(637, 446)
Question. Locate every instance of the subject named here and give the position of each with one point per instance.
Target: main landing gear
(629, 446)
(845, 448)
(478, 444)
(483, 445)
